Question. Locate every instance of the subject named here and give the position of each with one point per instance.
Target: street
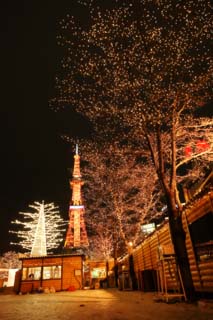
(109, 304)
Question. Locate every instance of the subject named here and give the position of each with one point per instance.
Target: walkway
(109, 304)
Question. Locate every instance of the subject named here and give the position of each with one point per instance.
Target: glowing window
(148, 228)
(31, 273)
(52, 272)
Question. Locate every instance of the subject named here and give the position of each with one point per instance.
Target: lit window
(52, 272)
(31, 273)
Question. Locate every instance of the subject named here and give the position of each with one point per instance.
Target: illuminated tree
(118, 198)
(9, 260)
(41, 229)
(141, 71)
(101, 246)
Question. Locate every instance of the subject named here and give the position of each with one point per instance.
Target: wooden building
(53, 272)
(146, 258)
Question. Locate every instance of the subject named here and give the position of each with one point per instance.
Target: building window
(52, 272)
(31, 273)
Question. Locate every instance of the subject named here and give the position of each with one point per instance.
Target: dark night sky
(34, 159)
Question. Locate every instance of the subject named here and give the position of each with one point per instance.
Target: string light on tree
(115, 197)
(146, 69)
(41, 229)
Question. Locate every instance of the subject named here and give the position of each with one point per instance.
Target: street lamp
(130, 245)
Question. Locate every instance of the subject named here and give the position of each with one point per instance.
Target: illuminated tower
(76, 236)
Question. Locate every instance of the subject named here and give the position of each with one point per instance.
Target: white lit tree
(40, 230)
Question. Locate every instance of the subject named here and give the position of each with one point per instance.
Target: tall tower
(76, 236)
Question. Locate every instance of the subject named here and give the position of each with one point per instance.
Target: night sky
(35, 161)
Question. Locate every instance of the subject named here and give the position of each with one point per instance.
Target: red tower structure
(76, 236)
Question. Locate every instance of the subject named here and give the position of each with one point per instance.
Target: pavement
(108, 304)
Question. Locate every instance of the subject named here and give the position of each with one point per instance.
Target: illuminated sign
(76, 207)
(148, 228)
(98, 273)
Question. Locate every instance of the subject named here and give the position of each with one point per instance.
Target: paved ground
(109, 304)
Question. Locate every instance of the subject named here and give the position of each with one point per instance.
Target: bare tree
(10, 260)
(121, 193)
(101, 246)
(141, 71)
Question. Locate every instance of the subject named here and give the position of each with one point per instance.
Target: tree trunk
(107, 273)
(132, 273)
(178, 238)
(116, 274)
(115, 264)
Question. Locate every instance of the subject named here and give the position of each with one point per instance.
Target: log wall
(146, 255)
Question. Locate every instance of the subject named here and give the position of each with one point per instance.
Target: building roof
(52, 256)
